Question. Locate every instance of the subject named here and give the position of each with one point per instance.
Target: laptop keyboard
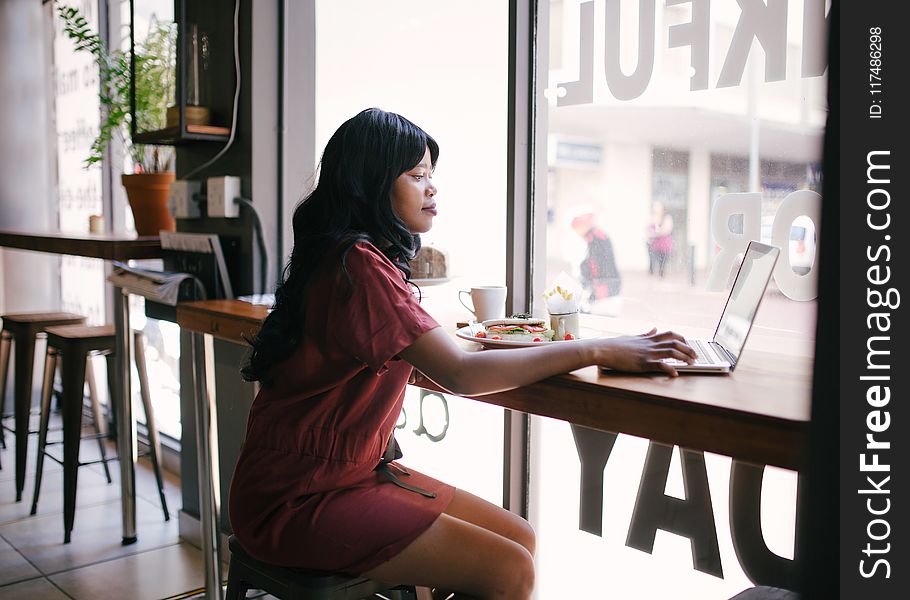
(704, 356)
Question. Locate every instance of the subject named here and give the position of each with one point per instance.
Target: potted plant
(148, 186)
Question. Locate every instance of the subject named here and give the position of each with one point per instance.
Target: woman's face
(412, 196)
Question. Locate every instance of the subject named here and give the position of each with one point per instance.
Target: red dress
(304, 492)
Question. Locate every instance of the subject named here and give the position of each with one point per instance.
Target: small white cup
(487, 301)
(563, 323)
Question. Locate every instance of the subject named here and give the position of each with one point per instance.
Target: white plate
(465, 333)
(431, 281)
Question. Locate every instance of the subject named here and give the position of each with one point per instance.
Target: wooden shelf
(172, 136)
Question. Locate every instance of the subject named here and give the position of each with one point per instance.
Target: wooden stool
(23, 329)
(245, 572)
(71, 346)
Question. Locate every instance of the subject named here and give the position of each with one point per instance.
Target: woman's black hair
(351, 203)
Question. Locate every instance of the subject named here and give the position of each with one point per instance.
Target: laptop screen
(748, 289)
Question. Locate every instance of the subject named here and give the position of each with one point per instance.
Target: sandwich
(517, 329)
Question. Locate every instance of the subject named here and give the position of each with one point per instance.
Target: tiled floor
(36, 564)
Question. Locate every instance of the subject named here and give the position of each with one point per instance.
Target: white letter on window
(800, 202)
(767, 24)
(732, 243)
(629, 87)
(694, 34)
(582, 90)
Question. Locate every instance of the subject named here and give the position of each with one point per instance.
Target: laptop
(722, 353)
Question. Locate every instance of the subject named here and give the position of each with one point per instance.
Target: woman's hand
(644, 352)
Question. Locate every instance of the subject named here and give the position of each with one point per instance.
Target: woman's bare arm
(476, 373)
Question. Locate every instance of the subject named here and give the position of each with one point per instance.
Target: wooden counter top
(758, 414)
(90, 245)
(228, 320)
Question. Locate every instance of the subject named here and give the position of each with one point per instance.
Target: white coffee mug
(564, 323)
(487, 301)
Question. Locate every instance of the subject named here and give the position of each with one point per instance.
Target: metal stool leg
(22, 386)
(154, 441)
(97, 418)
(72, 368)
(6, 340)
(47, 388)
(113, 388)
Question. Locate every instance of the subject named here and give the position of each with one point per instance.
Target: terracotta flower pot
(147, 194)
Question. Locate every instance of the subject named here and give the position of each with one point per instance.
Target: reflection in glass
(196, 109)
(155, 52)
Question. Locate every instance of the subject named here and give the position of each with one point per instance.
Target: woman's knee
(525, 535)
(518, 530)
(515, 576)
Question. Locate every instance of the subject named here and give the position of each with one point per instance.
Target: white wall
(30, 280)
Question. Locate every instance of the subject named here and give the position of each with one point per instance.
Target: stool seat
(41, 319)
(245, 572)
(100, 337)
(22, 329)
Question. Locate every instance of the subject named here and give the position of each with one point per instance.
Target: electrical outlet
(220, 195)
(181, 200)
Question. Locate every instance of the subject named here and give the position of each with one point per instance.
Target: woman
(311, 488)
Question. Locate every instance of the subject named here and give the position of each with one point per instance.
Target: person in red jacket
(599, 276)
(317, 485)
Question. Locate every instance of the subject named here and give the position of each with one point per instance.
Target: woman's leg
(475, 548)
(468, 507)
(663, 258)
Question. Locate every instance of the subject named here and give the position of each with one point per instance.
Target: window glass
(155, 36)
(83, 288)
(444, 67)
(655, 114)
(155, 40)
(79, 188)
(643, 148)
(76, 117)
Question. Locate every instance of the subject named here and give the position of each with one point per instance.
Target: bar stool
(245, 573)
(71, 345)
(24, 329)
